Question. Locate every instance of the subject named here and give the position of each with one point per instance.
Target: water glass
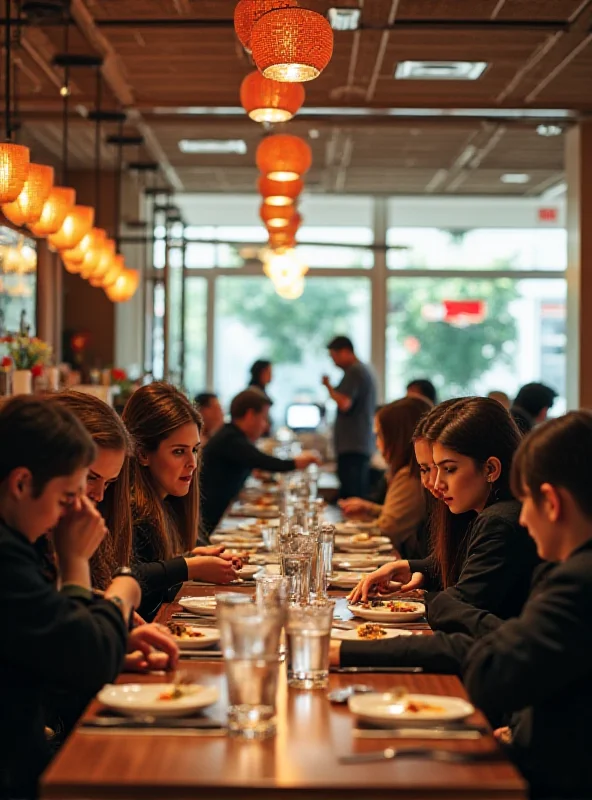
(308, 631)
(297, 551)
(250, 639)
(272, 591)
(324, 559)
(270, 538)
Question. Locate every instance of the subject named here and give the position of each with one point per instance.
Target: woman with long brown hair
(164, 476)
(489, 565)
(403, 510)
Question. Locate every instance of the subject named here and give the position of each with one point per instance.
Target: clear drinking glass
(297, 551)
(272, 591)
(270, 538)
(324, 559)
(308, 632)
(250, 639)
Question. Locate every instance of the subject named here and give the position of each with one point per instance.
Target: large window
(252, 322)
(196, 297)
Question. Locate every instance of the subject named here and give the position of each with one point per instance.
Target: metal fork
(444, 756)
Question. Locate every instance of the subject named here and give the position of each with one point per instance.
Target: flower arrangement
(27, 352)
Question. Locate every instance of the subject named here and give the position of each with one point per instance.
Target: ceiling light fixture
(213, 146)
(265, 100)
(344, 19)
(283, 157)
(549, 130)
(248, 13)
(440, 70)
(515, 177)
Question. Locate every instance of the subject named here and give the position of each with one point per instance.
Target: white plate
(202, 606)
(352, 636)
(261, 512)
(143, 698)
(209, 637)
(248, 571)
(347, 528)
(384, 615)
(365, 547)
(253, 527)
(360, 561)
(387, 708)
(346, 580)
(236, 539)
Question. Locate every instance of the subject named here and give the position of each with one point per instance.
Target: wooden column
(579, 270)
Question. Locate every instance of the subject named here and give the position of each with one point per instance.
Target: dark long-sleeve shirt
(228, 459)
(52, 641)
(539, 667)
(160, 579)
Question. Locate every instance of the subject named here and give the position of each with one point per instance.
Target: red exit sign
(548, 215)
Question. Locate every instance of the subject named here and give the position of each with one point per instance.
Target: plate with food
(200, 606)
(236, 539)
(391, 708)
(368, 632)
(388, 610)
(254, 510)
(257, 526)
(352, 526)
(360, 562)
(363, 543)
(157, 699)
(190, 637)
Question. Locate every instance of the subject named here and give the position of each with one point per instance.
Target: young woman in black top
(491, 567)
(164, 475)
(55, 640)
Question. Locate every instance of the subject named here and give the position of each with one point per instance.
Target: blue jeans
(353, 471)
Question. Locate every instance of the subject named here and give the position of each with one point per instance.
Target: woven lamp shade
(14, 169)
(116, 267)
(248, 12)
(88, 251)
(292, 44)
(270, 101)
(280, 240)
(29, 204)
(276, 217)
(288, 230)
(279, 193)
(124, 287)
(105, 259)
(283, 157)
(55, 210)
(77, 224)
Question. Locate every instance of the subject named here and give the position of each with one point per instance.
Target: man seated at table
(212, 414)
(231, 455)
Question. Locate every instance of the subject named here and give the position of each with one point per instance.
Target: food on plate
(417, 707)
(397, 606)
(370, 630)
(177, 691)
(182, 631)
(361, 537)
(265, 501)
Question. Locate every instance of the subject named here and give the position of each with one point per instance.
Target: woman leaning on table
(164, 477)
(403, 510)
(490, 568)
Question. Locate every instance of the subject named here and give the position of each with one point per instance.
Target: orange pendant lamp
(55, 210)
(14, 169)
(279, 193)
(107, 254)
(292, 44)
(76, 225)
(283, 157)
(124, 287)
(248, 12)
(29, 204)
(89, 244)
(110, 276)
(276, 217)
(290, 229)
(270, 101)
(280, 239)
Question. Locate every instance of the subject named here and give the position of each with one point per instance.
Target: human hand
(307, 457)
(79, 532)
(380, 579)
(354, 505)
(156, 647)
(211, 569)
(209, 550)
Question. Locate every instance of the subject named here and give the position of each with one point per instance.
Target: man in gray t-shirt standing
(356, 403)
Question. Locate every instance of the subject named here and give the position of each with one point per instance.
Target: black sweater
(539, 667)
(160, 579)
(52, 641)
(228, 459)
(499, 559)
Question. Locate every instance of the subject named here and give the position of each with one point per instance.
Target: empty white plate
(145, 698)
(202, 606)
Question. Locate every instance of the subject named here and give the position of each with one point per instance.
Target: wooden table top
(301, 761)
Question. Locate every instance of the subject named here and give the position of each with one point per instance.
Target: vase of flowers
(27, 353)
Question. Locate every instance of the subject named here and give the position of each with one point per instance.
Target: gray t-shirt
(353, 428)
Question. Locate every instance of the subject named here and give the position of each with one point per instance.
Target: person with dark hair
(355, 397)
(212, 415)
(532, 404)
(421, 387)
(164, 475)
(403, 510)
(44, 459)
(261, 375)
(490, 566)
(231, 455)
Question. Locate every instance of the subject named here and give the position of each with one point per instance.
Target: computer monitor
(303, 417)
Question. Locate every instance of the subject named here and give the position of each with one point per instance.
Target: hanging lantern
(280, 241)
(283, 157)
(89, 245)
(76, 225)
(292, 44)
(28, 258)
(277, 216)
(279, 193)
(55, 210)
(29, 204)
(248, 12)
(291, 291)
(270, 101)
(124, 287)
(106, 256)
(287, 230)
(116, 267)
(14, 168)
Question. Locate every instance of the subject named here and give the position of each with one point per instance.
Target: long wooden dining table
(300, 762)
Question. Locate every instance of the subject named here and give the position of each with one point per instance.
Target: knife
(200, 655)
(364, 670)
(417, 733)
(152, 722)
